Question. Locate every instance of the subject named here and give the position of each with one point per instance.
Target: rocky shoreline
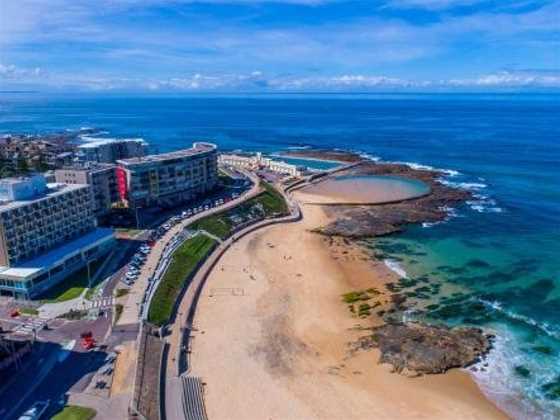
(411, 348)
(361, 221)
(415, 348)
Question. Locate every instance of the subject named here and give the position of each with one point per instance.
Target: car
(111, 357)
(107, 371)
(36, 411)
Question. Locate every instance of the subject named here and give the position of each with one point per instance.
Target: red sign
(121, 183)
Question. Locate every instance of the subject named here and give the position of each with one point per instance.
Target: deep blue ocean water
(494, 263)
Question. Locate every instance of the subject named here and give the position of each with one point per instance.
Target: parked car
(36, 411)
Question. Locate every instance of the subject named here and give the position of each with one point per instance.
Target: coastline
(273, 336)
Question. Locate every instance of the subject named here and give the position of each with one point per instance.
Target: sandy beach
(273, 336)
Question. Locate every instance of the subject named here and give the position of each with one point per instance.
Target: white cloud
(258, 81)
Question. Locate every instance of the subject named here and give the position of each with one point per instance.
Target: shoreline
(272, 307)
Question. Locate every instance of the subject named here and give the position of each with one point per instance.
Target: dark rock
(385, 219)
(427, 349)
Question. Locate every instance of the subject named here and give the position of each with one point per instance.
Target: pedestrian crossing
(100, 302)
(33, 324)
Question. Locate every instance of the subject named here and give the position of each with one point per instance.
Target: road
(131, 312)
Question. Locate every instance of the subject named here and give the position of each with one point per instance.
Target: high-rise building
(102, 179)
(109, 151)
(47, 231)
(168, 179)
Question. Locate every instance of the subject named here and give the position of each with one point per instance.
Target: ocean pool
(364, 189)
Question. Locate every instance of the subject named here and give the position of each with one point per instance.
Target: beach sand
(272, 338)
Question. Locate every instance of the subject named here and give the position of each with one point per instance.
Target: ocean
(494, 263)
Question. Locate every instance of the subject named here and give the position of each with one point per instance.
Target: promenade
(177, 364)
(132, 308)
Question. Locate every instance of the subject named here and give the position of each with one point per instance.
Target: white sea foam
(470, 186)
(421, 167)
(369, 157)
(298, 147)
(542, 326)
(395, 267)
(428, 225)
(519, 398)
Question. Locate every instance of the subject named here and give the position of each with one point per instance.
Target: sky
(279, 45)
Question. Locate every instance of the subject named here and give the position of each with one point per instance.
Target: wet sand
(273, 334)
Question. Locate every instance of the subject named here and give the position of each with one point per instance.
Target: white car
(36, 411)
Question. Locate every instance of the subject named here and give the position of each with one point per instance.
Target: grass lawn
(74, 412)
(183, 263)
(270, 199)
(71, 287)
(29, 311)
(217, 224)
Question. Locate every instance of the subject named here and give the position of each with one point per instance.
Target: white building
(47, 231)
(257, 161)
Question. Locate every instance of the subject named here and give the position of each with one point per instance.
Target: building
(102, 179)
(47, 232)
(257, 161)
(109, 150)
(168, 179)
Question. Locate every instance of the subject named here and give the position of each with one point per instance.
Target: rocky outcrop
(425, 349)
(335, 155)
(384, 219)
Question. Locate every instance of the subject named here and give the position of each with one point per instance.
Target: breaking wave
(395, 267)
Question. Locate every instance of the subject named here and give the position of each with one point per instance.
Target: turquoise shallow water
(499, 253)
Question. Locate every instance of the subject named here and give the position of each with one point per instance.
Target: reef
(417, 348)
(377, 220)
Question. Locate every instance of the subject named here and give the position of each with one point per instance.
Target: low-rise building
(168, 179)
(47, 232)
(258, 161)
(109, 150)
(102, 179)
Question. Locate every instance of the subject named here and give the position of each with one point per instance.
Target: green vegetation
(217, 224)
(118, 311)
(184, 262)
(75, 412)
(72, 286)
(74, 314)
(29, 311)
(267, 204)
(359, 295)
(121, 292)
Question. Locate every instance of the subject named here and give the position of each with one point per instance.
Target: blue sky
(279, 45)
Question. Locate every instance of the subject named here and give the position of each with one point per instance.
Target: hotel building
(100, 177)
(168, 179)
(47, 232)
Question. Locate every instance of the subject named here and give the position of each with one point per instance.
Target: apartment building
(168, 179)
(109, 151)
(100, 177)
(47, 231)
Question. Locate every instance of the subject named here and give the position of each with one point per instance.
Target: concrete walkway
(180, 330)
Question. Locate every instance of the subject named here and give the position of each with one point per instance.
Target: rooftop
(51, 257)
(197, 148)
(93, 142)
(53, 189)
